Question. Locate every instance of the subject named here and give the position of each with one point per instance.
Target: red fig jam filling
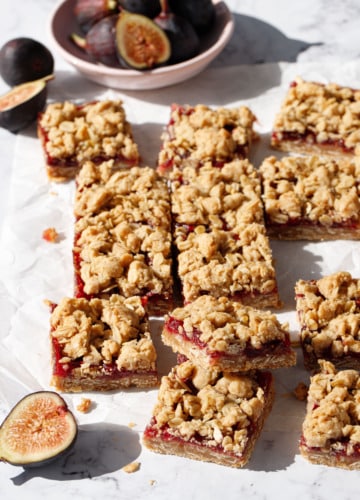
(108, 370)
(175, 327)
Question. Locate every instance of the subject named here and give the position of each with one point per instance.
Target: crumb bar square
(197, 134)
(225, 335)
(209, 415)
(234, 263)
(331, 434)
(217, 197)
(318, 118)
(72, 133)
(123, 235)
(311, 197)
(101, 345)
(328, 311)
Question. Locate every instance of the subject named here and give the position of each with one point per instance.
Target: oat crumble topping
(200, 133)
(215, 197)
(223, 263)
(103, 332)
(126, 244)
(225, 325)
(329, 112)
(88, 131)
(314, 189)
(140, 192)
(329, 315)
(333, 409)
(221, 408)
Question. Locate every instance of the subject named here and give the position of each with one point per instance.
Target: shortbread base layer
(161, 441)
(346, 362)
(100, 383)
(280, 357)
(312, 232)
(304, 146)
(324, 457)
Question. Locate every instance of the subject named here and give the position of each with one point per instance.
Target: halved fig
(20, 106)
(37, 430)
(141, 43)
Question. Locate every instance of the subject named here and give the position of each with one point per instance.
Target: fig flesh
(99, 42)
(89, 12)
(24, 60)
(37, 430)
(141, 43)
(20, 106)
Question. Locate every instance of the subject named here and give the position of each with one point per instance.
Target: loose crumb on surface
(50, 234)
(131, 425)
(132, 467)
(301, 391)
(84, 406)
(152, 482)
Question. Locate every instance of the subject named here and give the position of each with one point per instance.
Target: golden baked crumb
(332, 421)
(224, 334)
(85, 405)
(51, 235)
(132, 467)
(112, 332)
(301, 391)
(73, 133)
(197, 134)
(225, 263)
(323, 114)
(328, 311)
(216, 197)
(219, 407)
(313, 190)
(123, 231)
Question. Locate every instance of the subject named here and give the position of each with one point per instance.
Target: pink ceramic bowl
(63, 23)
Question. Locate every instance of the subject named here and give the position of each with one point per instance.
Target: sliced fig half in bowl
(37, 430)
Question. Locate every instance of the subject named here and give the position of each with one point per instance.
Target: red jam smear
(175, 327)
(107, 370)
(342, 452)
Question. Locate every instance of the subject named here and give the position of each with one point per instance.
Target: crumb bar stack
(214, 403)
(73, 133)
(219, 234)
(123, 235)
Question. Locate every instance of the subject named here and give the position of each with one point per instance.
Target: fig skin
(148, 8)
(99, 42)
(20, 106)
(141, 43)
(38, 429)
(89, 12)
(200, 13)
(24, 60)
(185, 42)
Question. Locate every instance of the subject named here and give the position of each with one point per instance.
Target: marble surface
(272, 40)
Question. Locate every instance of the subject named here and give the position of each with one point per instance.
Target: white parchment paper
(32, 270)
